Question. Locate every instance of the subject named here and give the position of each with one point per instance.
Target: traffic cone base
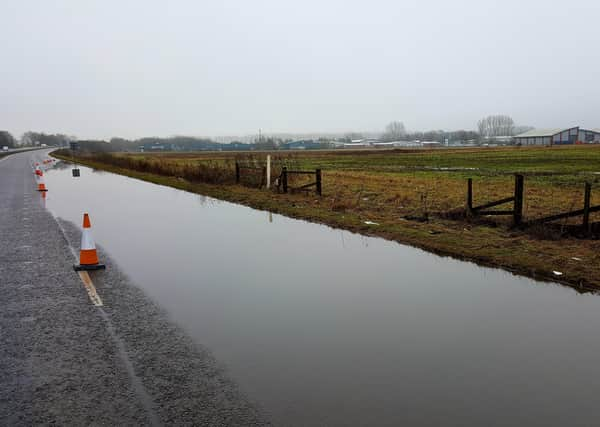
(93, 267)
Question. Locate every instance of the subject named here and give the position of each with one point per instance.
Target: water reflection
(206, 201)
(61, 165)
(326, 327)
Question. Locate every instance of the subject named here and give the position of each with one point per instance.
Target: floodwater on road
(325, 327)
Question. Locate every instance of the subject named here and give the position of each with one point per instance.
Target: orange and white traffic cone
(88, 257)
(38, 171)
(41, 184)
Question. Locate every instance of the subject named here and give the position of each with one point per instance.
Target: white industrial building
(558, 136)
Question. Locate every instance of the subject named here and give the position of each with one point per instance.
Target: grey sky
(141, 68)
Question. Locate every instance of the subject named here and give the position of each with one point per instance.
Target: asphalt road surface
(67, 361)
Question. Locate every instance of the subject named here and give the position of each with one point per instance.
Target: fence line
(317, 184)
(517, 211)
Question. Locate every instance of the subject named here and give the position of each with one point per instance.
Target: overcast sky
(98, 69)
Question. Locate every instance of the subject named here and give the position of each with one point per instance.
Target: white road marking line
(90, 288)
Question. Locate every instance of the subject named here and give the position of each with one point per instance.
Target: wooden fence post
(318, 176)
(237, 173)
(284, 178)
(470, 196)
(518, 204)
(268, 171)
(586, 208)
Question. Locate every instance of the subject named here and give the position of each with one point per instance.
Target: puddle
(326, 327)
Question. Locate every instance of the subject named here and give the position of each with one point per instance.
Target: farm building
(558, 136)
(303, 144)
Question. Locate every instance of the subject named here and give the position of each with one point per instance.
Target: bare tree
(481, 128)
(497, 125)
(394, 131)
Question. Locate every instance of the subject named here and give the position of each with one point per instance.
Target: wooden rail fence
(283, 178)
(586, 225)
(517, 199)
(517, 211)
(317, 184)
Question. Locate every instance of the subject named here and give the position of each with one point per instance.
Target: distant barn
(558, 136)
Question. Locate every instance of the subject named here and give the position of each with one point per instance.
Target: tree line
(30, 139)
(187, 143)
(488, 128)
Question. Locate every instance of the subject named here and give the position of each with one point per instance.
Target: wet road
(325, 327)
(65, 361)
